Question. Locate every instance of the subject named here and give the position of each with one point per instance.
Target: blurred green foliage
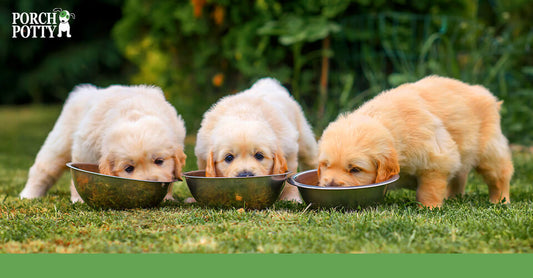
(331, 54)
(495, 56)
(201, 50)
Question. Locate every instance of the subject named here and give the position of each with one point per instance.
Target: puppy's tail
(489, 96)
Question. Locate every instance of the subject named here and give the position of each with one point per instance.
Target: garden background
(331, 54)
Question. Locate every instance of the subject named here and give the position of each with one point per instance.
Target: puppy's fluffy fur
(260, 131)
(130, 132)
(432, 132)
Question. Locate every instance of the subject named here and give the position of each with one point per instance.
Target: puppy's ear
(280, 163)
(210, 168)
(320, 165)
(105, 165)
(179, 162)
(387, 166)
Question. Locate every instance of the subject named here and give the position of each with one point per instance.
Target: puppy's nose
(245, 174)
(335, 184)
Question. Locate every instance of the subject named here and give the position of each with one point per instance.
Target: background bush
(332, 55)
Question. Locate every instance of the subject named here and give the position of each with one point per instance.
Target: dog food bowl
(240, 192)
(103, 191)
(351, 197)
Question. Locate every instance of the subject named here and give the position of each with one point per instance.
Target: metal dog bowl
(351, 197)
(103, 191)
(250, 192)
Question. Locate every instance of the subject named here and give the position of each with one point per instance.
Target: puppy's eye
(159, 161)
(229, 158)
(129, 169)
(355, 170)
(259, 156)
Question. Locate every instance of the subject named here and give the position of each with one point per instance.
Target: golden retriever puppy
(432, 132)
(260, 131)
(131, 132)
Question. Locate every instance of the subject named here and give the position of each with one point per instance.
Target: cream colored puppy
(432, 132)
(131, 132)
(260, 131)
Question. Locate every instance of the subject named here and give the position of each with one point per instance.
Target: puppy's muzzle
(335, 184)
(243, 174)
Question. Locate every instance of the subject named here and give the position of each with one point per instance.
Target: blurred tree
(331, 54)
(185, 46)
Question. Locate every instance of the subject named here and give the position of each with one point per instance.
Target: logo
(42, 25)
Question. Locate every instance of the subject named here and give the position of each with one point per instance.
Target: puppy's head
(65, 15)
(356, 151)
(243, 149)
(144, 149)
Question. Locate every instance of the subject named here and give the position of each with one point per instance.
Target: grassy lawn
(52, 224)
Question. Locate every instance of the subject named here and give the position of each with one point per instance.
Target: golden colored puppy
(131, 132)
(432, 132)
(260, 131)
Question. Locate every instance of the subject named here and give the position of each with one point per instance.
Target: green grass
(52, 224)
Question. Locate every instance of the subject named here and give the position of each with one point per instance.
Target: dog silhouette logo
(64, 17)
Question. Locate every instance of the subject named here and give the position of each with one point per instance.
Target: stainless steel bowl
(249, 192)
(351, 197)
(103, 191)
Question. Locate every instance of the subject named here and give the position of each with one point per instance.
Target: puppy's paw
(29, 193)
(189, 200)
(169, 197)
(290, 193)
(74, 195)
(76, 199)
(292, 198)
(429, 205)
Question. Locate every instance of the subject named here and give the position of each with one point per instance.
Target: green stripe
(269, 265)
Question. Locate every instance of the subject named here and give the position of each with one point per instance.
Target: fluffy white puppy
(131, 132)
(260, 131)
